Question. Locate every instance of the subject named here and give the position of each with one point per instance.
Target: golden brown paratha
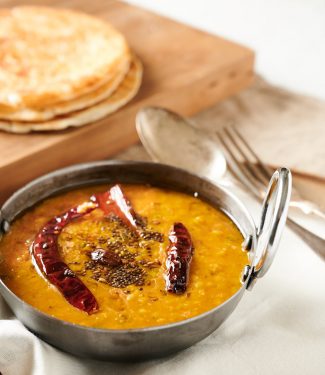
(50, 55)
(62, 108)
(124, 93)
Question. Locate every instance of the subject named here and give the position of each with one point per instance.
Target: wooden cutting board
(184, 69)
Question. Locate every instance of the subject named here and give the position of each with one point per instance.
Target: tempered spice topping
(125, 275)
(152, 236)
(115, 261)
(119, 274)
(117, 266)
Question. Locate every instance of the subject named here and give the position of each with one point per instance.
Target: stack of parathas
(61, 68)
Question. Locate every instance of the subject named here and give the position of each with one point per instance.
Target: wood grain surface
(184, 69)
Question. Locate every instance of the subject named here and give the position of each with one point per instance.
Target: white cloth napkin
(278, 328)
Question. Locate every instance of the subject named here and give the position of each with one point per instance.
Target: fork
(248, 168)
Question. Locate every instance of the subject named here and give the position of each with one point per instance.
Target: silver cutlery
(249, 169)
(169, 138)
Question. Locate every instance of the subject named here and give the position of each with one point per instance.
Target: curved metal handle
(269, 231)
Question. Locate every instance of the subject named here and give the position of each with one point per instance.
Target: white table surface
(287, 35)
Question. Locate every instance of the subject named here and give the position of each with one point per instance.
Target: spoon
(173, 140)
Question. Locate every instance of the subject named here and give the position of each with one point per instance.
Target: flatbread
(62, 108)
(124, 93)
(50, 55)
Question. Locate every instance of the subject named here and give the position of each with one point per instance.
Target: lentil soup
(130, 287)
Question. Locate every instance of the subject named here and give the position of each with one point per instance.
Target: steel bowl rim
(80, 166)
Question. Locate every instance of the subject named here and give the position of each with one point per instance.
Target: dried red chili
(115, 202)
(46, 253)
(179, 256)
(105, 257)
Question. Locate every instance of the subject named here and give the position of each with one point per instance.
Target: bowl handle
(273, 218)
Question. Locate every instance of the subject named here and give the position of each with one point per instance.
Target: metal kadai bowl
(261, 243)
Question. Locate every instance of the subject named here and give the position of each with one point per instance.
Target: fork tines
(243, 162)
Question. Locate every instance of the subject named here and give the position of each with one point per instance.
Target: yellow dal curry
(214, 272)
